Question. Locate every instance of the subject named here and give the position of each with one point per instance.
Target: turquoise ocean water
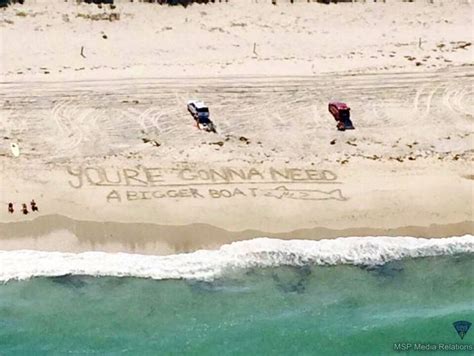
(305, 310)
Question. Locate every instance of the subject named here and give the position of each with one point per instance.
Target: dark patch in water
(113, 282)
(201, 286)
(304, 271)
(151, 311)
(70, 281)
(387, 270)
(297, 285)
(213, 286)
(250, 271)
(350, 303)
(462, 258)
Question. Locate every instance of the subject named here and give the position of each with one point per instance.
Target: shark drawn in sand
(304, 194)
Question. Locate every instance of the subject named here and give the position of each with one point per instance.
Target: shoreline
(63, 234)
(207, 265)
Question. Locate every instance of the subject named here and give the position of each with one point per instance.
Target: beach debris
(373, 157)
(420, 42)
(333, 142)
(34, 207)
(244, 139)
(24, 209)
(113, 16)
(82, 52)
(463, 45)
(10, 208)
(15, 149)
(218, 143)
(411, 145)
(238, 24)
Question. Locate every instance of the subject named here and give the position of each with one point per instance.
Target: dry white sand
(43, 41)
(277, 165)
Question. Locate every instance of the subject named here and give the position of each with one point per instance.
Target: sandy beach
(115, 163)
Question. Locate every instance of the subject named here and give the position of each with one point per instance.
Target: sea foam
(209, 264)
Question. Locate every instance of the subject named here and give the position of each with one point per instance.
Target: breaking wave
(209, 264)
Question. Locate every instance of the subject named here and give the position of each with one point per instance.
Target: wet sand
(47, 233)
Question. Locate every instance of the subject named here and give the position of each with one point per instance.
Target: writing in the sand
(278, 193)
(153, 177)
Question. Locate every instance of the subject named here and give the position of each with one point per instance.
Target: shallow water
(331, 310)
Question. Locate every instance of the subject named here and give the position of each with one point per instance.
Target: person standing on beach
(24, 209)
(34, 207)
(10, 208)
